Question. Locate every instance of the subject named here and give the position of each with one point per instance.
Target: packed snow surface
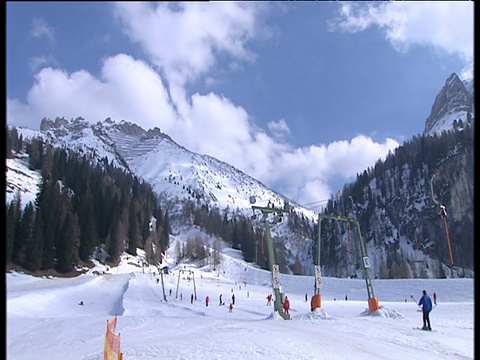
(45, 320)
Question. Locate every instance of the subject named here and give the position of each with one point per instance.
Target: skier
(435, 298)
(233, 299)
(230, 308)
(207, 300)
(191, 299)
(269, 299)
(220, 299)
(286, 305)
(426, 304)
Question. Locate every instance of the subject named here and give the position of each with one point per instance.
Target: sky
(45, 320)
(322, 90)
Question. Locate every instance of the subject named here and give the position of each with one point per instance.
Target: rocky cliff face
(453, 102)
(397, 203)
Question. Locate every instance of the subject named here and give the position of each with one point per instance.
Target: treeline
(82, 206)
(383, 199)
(235, 229)
(420, 151)
(241, 233)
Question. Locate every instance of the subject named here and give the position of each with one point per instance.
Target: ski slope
(44, 320)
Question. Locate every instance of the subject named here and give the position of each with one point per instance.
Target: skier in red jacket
(286, 305)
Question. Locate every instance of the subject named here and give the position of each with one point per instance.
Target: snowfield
(45, 320)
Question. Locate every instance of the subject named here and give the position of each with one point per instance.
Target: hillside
(404, 235)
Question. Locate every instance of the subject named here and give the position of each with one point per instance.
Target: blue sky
(300, 95)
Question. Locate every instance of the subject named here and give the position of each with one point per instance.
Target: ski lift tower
(443, 212)
(274, 268)
(317, 298)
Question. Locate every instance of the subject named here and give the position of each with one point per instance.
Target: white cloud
(216, 127)
(445, 25)
(40, 29)
(128, 89)
(183, 39)
(183, 43)
(38, 62)
(279, 128)
(303, 172)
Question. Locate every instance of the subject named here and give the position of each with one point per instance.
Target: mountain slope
(393, 203)
(180, 177)
(453, 103)
(172, 170)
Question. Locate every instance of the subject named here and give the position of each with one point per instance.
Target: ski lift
(350, 235)
(443, 212)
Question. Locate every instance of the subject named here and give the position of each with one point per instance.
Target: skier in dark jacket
(426, 304)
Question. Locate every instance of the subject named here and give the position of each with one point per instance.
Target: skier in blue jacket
(426, 304)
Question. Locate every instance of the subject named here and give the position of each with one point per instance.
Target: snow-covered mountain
(173, 171)
(453, 105)
(180, 176)
(176, 174)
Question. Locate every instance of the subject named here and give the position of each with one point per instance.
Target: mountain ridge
(453, 103)
(169, 167)
(182, 176)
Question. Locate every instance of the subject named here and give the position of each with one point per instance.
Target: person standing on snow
(269, 299)
(286, 305)
(207, 300)
(426, 304)
(435, 298)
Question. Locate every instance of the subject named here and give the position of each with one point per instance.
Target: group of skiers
(425, 303)
(286, 303)
(221, 302)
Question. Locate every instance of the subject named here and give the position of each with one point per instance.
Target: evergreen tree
(132, 230)
(24, 232)
(67, 248)
(35, 151)
(166, 231)
(13, 217)
(88, 234)
(35, 254)
(116, 242)
(47, 202)
(33, 243)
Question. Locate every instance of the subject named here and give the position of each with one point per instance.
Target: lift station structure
(316, 301)
(443, 212)
(274, 268)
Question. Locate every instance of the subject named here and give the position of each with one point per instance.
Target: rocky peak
(453, 102)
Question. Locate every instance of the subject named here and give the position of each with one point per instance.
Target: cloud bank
(444, 25)
(182, 42)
